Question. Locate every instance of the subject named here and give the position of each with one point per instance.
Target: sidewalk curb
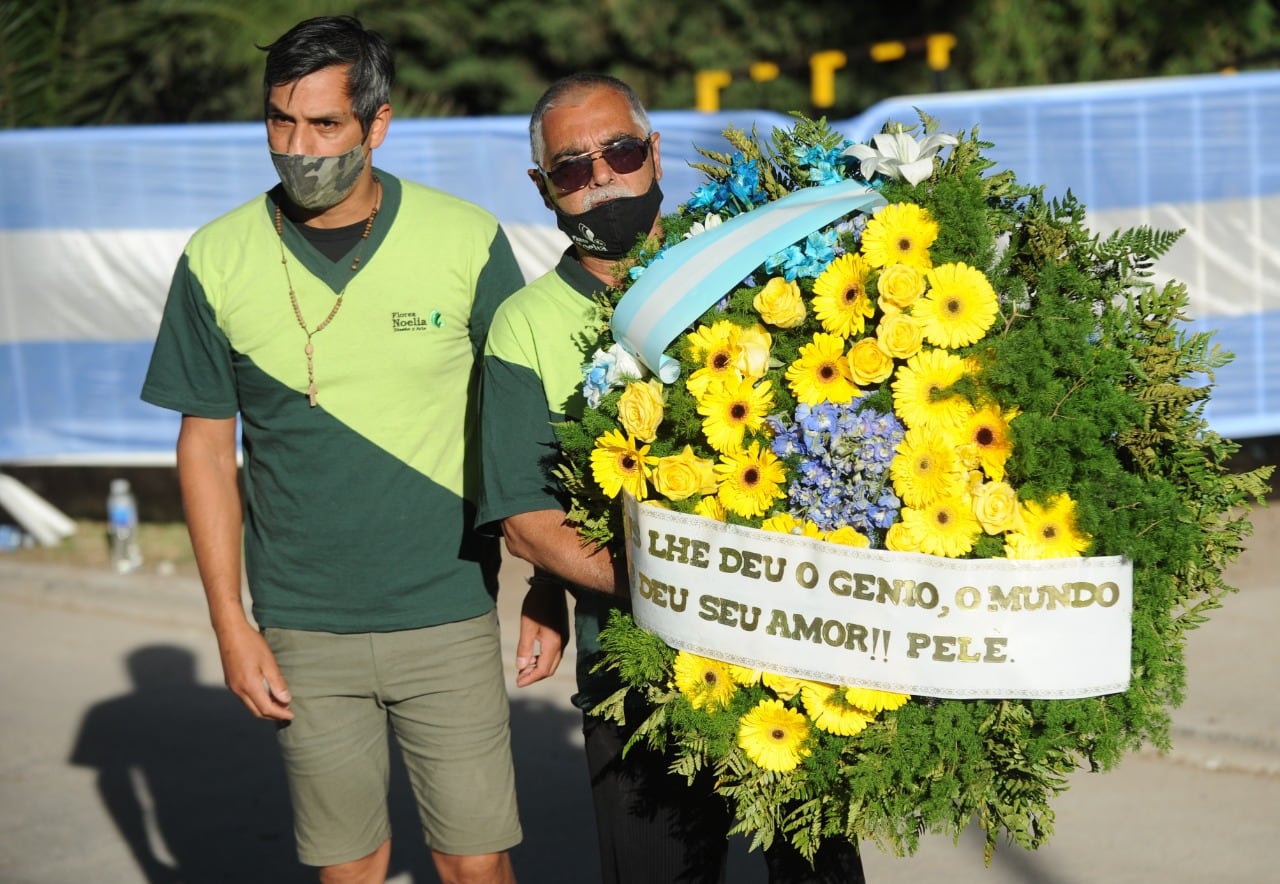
(145, 597)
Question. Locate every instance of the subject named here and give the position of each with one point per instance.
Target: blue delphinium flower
(849, 227)
(842, 476)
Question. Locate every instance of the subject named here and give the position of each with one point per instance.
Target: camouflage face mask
(317, 183)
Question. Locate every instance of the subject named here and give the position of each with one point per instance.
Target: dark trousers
(653, 828)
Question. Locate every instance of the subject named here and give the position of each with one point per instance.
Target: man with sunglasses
(597, 165)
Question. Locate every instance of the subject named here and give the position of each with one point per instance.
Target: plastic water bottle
(10, 538)
(122, 527)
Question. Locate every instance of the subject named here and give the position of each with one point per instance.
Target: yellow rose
(847, 536)
(900, 538)
(779, 303)
(899, 285)
(782, 523)
(640, 409)
(995, 504)
(900, 335)
(753, 359)
(869, 363)
(681, 475)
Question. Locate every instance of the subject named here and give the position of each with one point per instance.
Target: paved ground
(122, 759)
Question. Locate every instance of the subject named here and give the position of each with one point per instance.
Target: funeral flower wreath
(967, 372)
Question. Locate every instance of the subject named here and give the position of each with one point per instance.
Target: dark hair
(571, 85)
(330, 40)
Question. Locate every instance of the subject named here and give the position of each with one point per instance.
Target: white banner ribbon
(904, 622)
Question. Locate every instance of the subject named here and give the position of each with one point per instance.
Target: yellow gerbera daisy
(718, 349)
(1047, 531)
(958, 308)
(830, 711)
(750, 480)
(731, 408)
(785, 523)
(708, 343)
(617, 463)
(926, 468)
(840, 301)
(986, 441)
(744, 675)
(707, 683)
(900, 234)
(873, 701)
(946, 527)
(810, 529)
(773, 736)
(821, 374)
(785, 686)
(917, 390)
(710, 507)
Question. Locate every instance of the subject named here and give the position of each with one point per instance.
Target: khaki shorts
(441, 689)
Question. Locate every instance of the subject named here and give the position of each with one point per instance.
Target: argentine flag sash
(686, 279)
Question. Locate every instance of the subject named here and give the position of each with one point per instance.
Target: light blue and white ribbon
(692, 275)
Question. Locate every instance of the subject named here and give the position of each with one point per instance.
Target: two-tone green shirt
(359, 511)
(539, 341)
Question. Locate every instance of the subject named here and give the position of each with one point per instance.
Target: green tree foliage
(1025, 42)
(33, 41)
(70, 62)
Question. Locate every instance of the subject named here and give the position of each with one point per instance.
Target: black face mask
(610, 229)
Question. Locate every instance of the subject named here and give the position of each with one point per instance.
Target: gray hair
(568, 86)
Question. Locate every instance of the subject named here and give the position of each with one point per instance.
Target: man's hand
(250, 671)
(544, 629)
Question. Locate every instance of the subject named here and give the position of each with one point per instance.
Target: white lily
(898, 154)
(712, 220)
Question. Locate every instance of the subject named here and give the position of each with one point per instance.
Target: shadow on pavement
(196, 788)
(191, 780)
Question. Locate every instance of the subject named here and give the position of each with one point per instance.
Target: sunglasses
(575, 173)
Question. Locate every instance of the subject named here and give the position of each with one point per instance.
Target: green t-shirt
(358, 511)
(540, 339)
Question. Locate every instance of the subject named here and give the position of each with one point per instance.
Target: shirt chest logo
(411, 321)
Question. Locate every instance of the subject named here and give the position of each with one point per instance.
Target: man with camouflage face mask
(340, 317)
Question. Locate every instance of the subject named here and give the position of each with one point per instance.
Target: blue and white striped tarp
(92, 222)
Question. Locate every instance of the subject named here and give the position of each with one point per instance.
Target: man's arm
(211, 500)
(545, 540)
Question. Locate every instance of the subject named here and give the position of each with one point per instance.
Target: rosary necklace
(310, 349)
